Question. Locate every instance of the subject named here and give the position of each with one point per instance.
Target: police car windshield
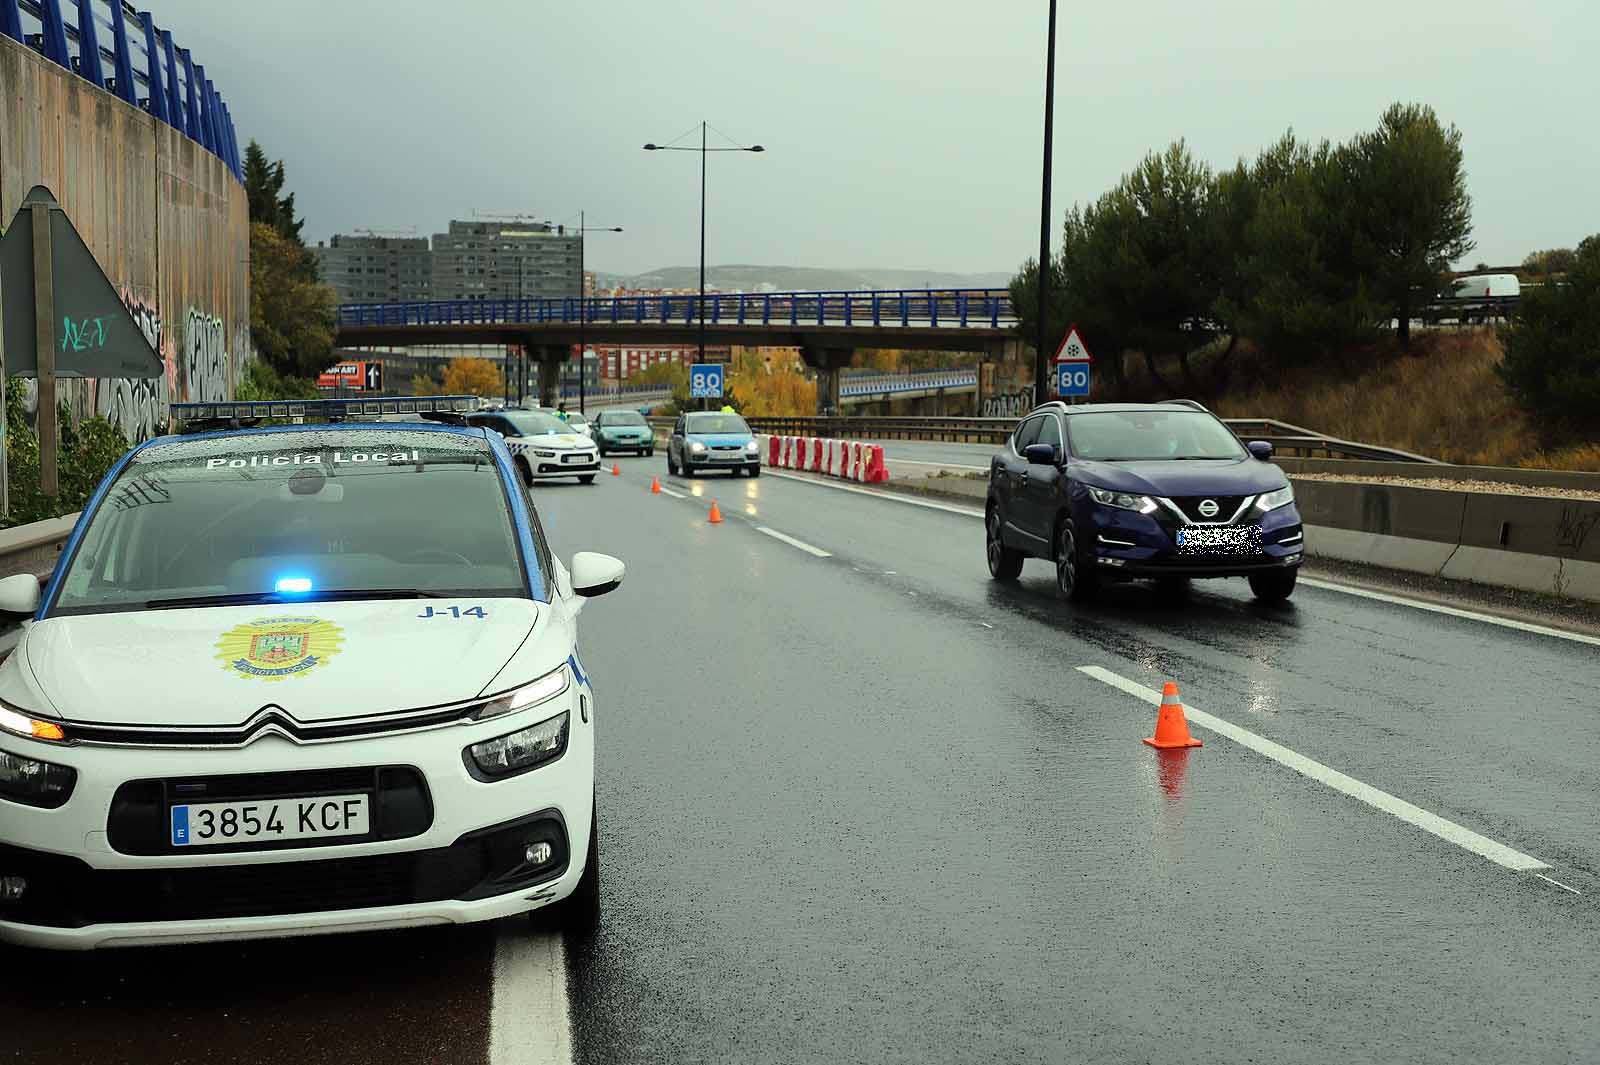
(533, 423)
(717, 423)
(1133, 436)
(302, 516)
(620, 417)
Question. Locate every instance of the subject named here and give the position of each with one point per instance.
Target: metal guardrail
(988, 308)
(148, 70)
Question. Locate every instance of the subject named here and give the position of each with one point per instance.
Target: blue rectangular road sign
(1072, 379)
(705, 380)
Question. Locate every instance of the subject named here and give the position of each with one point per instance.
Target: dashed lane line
(529, 1018)
(1432, 823)
(792, 542)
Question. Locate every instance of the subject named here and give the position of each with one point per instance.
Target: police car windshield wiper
(332, 595)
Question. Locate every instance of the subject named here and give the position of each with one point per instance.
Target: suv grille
(1227, 506)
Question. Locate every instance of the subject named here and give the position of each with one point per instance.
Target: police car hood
(318, 661)
(552, 441)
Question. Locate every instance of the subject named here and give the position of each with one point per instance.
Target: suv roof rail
(1193, 404)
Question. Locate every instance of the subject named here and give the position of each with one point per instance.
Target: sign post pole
(44, 326)
(5, 438)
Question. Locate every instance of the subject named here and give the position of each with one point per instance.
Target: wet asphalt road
(865, 808)
(935, 454)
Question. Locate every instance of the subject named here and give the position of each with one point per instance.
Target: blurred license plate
(1232, 540)
(210, 824)
(574, 458)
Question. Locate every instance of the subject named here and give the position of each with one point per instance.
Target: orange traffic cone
(716, 515)
(616, 470)
(1171, 729)
(655, 486)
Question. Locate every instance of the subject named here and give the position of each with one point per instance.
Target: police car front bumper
(467, 860)
(559, 467)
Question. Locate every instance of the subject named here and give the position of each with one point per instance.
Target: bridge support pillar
(550, 360)
(828, 362)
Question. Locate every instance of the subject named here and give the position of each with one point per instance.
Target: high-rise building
(484, 260)
(374, 269)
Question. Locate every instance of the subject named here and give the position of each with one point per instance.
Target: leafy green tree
(1409, 213)
(263, 184)
(292, 318)
(1552, 345)
(1551, 261)
(263, 382)
(87, 452)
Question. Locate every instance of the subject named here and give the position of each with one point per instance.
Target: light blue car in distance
(712, 441)
(623, 430)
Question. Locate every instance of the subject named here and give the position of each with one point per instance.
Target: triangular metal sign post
(60, 316)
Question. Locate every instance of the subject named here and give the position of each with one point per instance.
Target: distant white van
(1487, 286)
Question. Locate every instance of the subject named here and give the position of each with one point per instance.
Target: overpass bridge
(827, 327)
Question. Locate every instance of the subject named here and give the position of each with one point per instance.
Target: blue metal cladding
(89, 68)
(207, 137)
(55, 33)
(158, 89)
(191, 105)
(10, 20)
(124, 56)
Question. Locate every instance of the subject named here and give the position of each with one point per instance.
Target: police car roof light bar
(194, 417)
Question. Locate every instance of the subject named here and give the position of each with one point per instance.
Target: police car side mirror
(19, 594)
(1261, 449)
(592, 574)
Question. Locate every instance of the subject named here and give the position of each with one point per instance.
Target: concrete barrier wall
(166, 219)
(1499, 474)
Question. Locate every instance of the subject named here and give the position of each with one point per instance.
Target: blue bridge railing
(116, 47)
(954, 308)
(897, 383)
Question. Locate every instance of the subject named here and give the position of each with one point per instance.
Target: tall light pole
(583, 304)
(701, 308)
(1041, 364)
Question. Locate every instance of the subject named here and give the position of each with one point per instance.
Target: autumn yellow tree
(761, 391)
(473, 377)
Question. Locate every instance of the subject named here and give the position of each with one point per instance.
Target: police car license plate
(1228, 540)
(574, 458)
(212, 824)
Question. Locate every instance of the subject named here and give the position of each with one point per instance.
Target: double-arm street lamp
(703, 149)
(583, 304)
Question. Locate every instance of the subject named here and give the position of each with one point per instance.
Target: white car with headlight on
(299, 680)
(543, 447)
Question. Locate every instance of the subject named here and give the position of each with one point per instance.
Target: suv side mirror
(1042, 455)
(1261, 449)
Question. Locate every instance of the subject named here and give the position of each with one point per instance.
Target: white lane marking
(669, 492)
(1310, 582)
(893, 497)
(792, 542)
(1448, 831)
(1455, 612)
(1559, 884)
(937, 465)
(529, 1023)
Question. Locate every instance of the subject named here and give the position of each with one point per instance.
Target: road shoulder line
(529, 1020)
(792, 542)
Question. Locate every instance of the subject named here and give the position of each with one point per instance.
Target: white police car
(298, 680)
(543, 447)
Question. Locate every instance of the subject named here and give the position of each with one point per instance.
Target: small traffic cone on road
(616, 470)
(655, 486)
(716, 515)
(1171, 728)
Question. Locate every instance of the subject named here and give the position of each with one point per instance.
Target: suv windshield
(301, 516)
(716, 423)
(1131, 436)
(534, 423)
(620, 417)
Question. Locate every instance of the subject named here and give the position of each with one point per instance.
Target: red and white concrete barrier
(851, 460)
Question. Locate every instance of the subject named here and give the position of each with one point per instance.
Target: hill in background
(750, 278)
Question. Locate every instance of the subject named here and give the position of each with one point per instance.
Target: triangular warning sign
(1072, 348)
(95, 336)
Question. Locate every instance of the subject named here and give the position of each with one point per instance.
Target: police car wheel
(587, 478)
(579, 912)
(526, 471)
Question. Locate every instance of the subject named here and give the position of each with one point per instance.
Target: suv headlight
(522, 750)
(1273, 500)
(35, 783)
(1122, 500)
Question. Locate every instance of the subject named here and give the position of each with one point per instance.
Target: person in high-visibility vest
(727, 408)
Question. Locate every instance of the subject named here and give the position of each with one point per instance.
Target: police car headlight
(521, 750)
(1122, 500)
(545, 454)
(696, 446)
(1273, 500)
(20, 724)
(35, 783)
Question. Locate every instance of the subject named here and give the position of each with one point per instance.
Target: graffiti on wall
(1008, 404)
(205, 364)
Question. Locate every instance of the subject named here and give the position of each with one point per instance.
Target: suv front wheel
(1273, 587)
(1074, 580)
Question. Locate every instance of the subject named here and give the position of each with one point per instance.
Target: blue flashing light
(293, 584)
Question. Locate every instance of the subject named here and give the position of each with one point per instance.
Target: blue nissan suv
(1162, 491)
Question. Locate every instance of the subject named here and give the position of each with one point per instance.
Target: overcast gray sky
(898, 133)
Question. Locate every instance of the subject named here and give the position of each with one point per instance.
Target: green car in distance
(623, 430)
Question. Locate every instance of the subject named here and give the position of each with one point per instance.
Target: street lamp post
(701, 306)
(1041, 366)
(583, 304)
